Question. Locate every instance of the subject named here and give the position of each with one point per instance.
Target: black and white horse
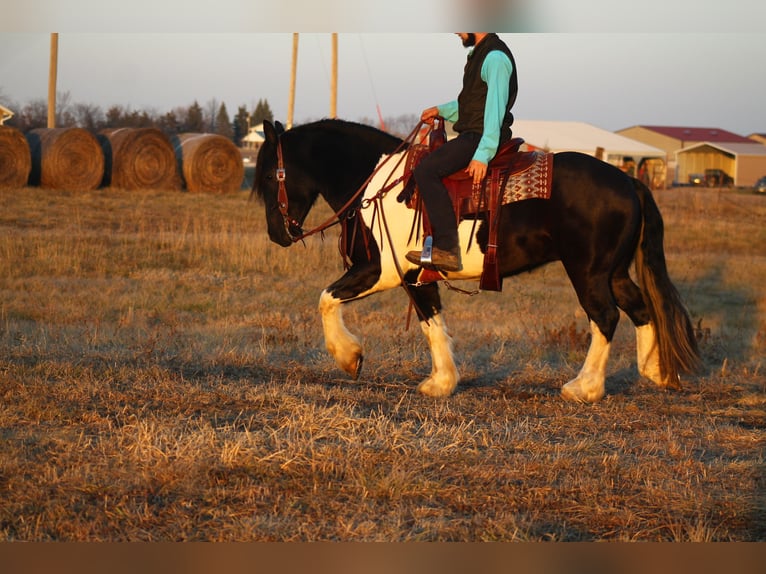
(597, 222)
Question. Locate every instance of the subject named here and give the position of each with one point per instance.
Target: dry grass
(163, 377)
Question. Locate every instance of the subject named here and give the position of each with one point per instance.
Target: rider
(482, 118)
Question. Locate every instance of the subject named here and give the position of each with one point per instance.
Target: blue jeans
(452, 156)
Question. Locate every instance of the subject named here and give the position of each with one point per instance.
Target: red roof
(712, 135)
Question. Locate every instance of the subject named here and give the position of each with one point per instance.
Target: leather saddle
(470, 201)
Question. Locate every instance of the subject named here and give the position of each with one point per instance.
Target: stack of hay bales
(209, 163)
(127, 158)
(15, 158)
(65, 158)
(138, 158)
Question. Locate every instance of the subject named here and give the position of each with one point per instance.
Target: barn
(744, 162)
(672, 139)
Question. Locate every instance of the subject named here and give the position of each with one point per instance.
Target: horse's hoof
(431, 388)
(667, 384)
(573, 391)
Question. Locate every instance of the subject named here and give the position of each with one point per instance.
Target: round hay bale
(138, 158)
(15, 159)
(65, 158)
(209, 163)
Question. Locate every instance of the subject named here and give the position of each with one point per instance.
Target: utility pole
(334, 79)
(291, 100)
(52, 80)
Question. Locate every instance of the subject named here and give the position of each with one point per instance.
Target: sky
(658, 67)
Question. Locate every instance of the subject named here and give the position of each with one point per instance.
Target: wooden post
(52, 80)
(599, 152)
(294, 69)
(334, 79)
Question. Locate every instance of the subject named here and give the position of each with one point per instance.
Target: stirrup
(427, 253)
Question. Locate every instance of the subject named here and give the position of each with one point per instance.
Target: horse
(597, 222)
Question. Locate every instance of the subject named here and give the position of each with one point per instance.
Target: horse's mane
(375, 141)
(385, 141)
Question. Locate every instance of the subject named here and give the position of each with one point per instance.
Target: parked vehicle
(696, 179)
(760, 185)
(718, 178)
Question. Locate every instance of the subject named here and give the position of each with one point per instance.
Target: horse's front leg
(343, 345)
(340, 342)
(444, 375)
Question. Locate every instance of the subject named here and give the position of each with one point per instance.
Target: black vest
(473, 96)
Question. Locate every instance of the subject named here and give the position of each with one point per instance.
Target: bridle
(282, 201)
(291, 223)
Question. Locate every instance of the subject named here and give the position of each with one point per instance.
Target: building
(254, 138)
(636, 158)
(745, 163)
(671, 139)
(760, 138)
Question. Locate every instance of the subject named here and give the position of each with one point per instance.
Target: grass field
(163, 377)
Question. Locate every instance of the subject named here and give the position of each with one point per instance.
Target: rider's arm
(449, 111)
(496, 73)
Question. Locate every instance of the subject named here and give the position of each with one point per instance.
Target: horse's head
(332, 158)
(287, 192)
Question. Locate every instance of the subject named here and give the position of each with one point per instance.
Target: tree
(262, 112)
(240, 125)
(194, 121)
(88, 116)
(64, 116)
(209, 115)
(114, 116)
(33, 115)
(223, 125)
(169, 123)
(399, 125)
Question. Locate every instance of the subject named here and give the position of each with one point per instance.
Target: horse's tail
(675, 336)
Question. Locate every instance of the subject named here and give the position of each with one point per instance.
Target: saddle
(470, 201)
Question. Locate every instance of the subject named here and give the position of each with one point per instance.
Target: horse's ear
(279, 127)
(269, 132)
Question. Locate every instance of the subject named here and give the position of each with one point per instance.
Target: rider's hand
(429, 114)
(477, 171)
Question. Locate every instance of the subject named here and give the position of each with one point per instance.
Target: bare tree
(88, 116)
(33, 115)
(209, 115)
(64, 116)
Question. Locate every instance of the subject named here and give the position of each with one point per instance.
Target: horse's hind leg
(596, 298)
(444, 375)
(589, 385)
(629, 299)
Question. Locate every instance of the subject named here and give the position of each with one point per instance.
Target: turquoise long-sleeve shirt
(496, 72)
